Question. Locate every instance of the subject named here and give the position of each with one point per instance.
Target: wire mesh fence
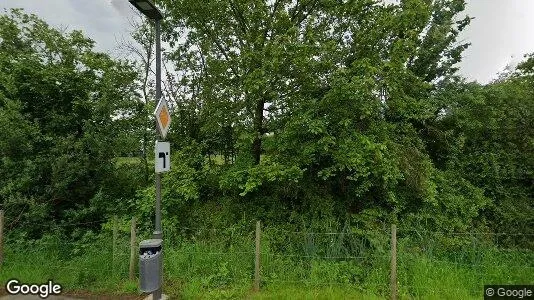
(428, 263)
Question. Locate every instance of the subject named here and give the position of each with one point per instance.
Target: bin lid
(151, 243)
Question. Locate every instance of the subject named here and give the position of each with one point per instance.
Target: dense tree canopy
(331, 97)
(65, 113)
(308, 113)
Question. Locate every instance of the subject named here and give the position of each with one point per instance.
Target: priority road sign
(163, 157)
(163, 117)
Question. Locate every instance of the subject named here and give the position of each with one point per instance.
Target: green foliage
(65, 113)
(456, 205)
(485, 134)
(320, 115)
(267, 172)
(326, 120)
(330, 98)
(218, 264)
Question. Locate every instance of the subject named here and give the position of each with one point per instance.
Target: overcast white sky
(501, 33)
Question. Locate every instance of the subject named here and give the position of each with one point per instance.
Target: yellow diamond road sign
(163, 117)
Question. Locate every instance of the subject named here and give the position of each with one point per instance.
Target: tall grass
(219, 264)
(74, 266)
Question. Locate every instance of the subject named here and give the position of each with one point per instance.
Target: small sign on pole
(163, 157)
(163, 117)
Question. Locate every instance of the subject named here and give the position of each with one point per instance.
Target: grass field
(217, 269)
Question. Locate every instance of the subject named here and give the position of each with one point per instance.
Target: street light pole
(158, 234)
(147, 8)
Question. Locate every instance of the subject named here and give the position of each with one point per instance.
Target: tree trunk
(258, 131)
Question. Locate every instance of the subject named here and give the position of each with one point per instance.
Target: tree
(342, 88)
(484, 134)
(66, 112)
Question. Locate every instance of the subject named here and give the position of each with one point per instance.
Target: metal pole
(158, 231)
(158, 234)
